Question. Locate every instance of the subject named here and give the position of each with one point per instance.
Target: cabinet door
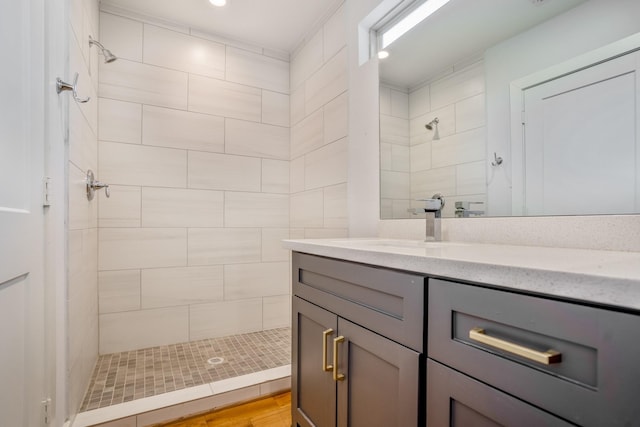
(456, 400)
(313, 390)
(381, 383)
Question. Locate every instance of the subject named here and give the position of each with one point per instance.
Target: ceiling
(460, 30)
(274, 24)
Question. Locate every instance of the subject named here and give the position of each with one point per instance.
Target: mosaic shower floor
(130, 375)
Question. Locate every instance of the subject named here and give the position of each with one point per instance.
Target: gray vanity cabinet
(367, 378)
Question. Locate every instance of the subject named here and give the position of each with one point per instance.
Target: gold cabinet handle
(545, 357)
(325, 334)
(336, 375)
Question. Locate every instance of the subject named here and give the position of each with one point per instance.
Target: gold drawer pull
(545, 357)
(325, 334)
(336, 375)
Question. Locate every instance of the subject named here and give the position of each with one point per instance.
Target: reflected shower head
(108, 56)
(431, 125)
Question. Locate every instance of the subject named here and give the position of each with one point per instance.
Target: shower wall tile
(459, 148)
(143, 328)
(420, 157)
(225, 318)
(128, 164)
(419, 101)
(307, 135)
(275, 176)
(329, 82)
(276, 311)
(460, 85)
(168, 287)
(327, 165)
(272, 249)
(296, 104)
(307, 209)
(83, 146)
(335, 206)
(427, 183)
(119, 121)
(336, 119)
(275, 108)
(224, 99)
(128, 248)
(210, 246)
(135, 82)
(394, 130)
(335, 33)
(183, 52)
(122, 36)
(471, 178)
(165, 127)
(307, 60)
(168, 207)
(242, 281)
(326, 233)
(399, 104)
(261, 71)
(119, 291)
(224, 172)
(470, 113)
(121, 209)
(395, 185)
(296, 175)
(256, 210)
(256, 139)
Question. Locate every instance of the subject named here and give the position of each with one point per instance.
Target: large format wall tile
(256, 210)
(256, 139)
(119, 290)
(122, 36)
(119, 121)
(336, 119)
(327, 165)
(335, 33)
(307, 61)
(225, 99)
(307, 135)
(257, 70)
(307, 209)
(182, 52)
(224, 172)
(275, 108)
(242, 281)
(121, 209)
(275, 176)
(276, 311)
(135, 82)
(128, 164)
(329, 82)
(126, 248)
(166, 287)
(209, 246)
(225, 318)
(272, 249)
(144, 328)
(169, 207)
(165, 127)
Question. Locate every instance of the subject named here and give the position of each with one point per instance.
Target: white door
(582, 143)
(21, 213)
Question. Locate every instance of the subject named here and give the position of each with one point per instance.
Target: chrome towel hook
(62, 86)
(93, 185)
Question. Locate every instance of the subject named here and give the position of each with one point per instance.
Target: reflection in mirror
(457, 66)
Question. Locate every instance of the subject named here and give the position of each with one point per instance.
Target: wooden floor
(274, 411)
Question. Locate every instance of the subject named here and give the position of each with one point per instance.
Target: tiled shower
(215, 151)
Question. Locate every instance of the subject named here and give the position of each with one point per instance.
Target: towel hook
(497, 161)
(62, 86)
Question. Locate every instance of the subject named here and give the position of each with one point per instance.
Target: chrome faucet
(463, 209)
(433, 213)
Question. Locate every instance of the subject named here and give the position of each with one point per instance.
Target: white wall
(82, 287)
(194, 139)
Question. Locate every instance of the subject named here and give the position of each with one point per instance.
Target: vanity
(409, 333)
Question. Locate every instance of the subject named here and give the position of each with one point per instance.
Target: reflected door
(581, 143)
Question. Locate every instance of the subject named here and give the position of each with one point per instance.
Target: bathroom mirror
(446, 124)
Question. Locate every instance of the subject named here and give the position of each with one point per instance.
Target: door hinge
(46, 191)
(46, 406)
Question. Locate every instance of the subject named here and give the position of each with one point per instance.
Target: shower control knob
(93, 185)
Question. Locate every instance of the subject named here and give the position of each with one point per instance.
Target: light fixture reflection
(218, 3)
(383, 54)
(411, 20)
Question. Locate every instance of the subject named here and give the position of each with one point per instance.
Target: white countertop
(603, 277)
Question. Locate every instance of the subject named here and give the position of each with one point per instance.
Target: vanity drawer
(388, 302)
(596, 382)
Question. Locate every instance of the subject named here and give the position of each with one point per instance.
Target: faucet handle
(434, 204)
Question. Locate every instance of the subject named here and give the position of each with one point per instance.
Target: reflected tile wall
(194, 136)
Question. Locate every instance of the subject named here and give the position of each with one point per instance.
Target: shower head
(431, 125)
(108, 56)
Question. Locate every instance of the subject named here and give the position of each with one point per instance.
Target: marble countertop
(602, 277)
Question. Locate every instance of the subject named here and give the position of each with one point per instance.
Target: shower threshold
(153, 385)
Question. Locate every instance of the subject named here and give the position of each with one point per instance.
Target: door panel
(313, 397)
(21, 214)
(582, 150)
(381, 386)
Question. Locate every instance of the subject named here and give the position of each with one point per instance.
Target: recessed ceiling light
(383, 54)
(218, 3)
